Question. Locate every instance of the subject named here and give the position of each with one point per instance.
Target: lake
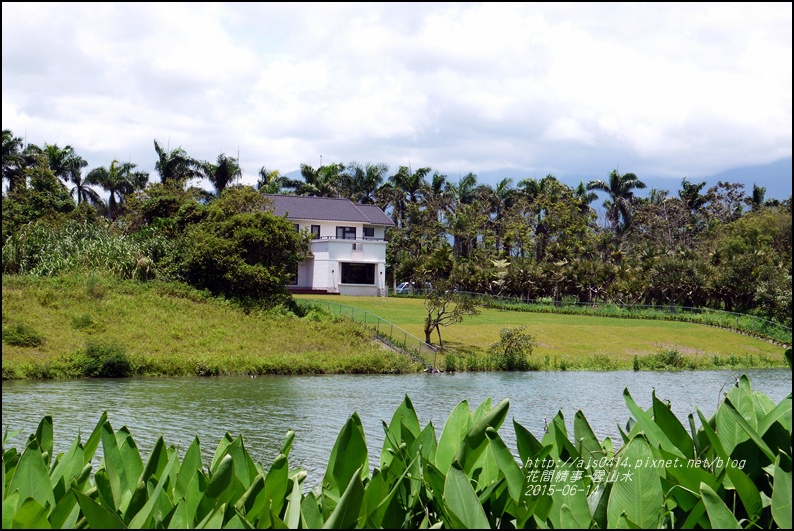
(316, 407)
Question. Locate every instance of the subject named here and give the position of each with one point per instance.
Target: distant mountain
(776, 177)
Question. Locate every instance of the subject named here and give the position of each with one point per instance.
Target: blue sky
(665, 91)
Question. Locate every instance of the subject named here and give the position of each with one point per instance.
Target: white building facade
(348, 244)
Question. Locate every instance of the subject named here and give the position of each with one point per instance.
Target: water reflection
(316, 407)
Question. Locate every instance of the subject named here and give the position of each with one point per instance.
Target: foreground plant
(733, 471)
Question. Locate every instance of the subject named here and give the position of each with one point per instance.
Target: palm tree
(271, 182)
(118, 180)
(175, 167)
(224, 171)
(323, 181)
(621, 194)
(690, 194)
(402, 188)
(63, 162)
(82, 191)
(361, 183)
(13, 161)
(756, 200)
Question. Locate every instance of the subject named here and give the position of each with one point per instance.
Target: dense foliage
(733, 471)
(718, 248)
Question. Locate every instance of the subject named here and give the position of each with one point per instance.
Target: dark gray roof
(327, 209)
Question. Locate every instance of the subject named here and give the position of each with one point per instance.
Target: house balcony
(358, 250)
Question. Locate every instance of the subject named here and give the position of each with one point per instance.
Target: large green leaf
(506, 463)
(44, 436)
(114, 466)
(348, 455)
(31, 477)
(781, 412)
(31, 515)
(69, 466)
(655, 434)
(346, 512)
(637, 492)
(98, 517)
(144, 516)
(156, 462)
(311, 517)
(131, 456)
(244, 468)
(475, 441)
(461, 500)
(452, 435)
(672, 427)
(720, 515)
(403, 428)
(747, 428)
(528, 445)
(587, 445)
(292, 517)
(730, 432)
(10, 504)
(276, 484)
(570, 494)
(781, 496)
(191, 464)
(93, 440)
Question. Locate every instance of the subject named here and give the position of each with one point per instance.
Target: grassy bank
(90, 325)
(579, 342)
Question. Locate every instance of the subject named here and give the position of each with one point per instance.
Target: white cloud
(696, 88)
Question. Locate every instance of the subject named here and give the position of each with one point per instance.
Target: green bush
(21, 335)
(103, 361)
(450, 364)
(513, 349)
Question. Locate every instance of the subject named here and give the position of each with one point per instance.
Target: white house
(348, 244)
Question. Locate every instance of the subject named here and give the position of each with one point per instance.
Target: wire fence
(386, 331)
(741, 322)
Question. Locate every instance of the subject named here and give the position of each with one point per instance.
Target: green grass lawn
(579, 341)
(168, 329)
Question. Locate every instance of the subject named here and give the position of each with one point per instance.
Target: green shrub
(449, 363)
(21, 335)
(513, 349)
(103, 361)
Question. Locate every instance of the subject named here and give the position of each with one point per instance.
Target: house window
(369, 232)
(297, 227)
(346, 233)
(315, 232)
(358, 273)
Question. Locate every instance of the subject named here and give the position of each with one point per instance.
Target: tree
(270, 182)
(756, 200)
(82, 191)
(12, 160)
(240, 249)
(323, 181)
(63, 162)
(510, 353)
(445, 307)
(118, 180)
(621, 194)
(45, 198)
(361, 183)
(224, 171)
(175, 167)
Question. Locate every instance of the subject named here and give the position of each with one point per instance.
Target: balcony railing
(364, 238)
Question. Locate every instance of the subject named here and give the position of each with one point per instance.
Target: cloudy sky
(514, 90)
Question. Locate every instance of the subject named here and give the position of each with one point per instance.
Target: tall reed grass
(40, 250)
